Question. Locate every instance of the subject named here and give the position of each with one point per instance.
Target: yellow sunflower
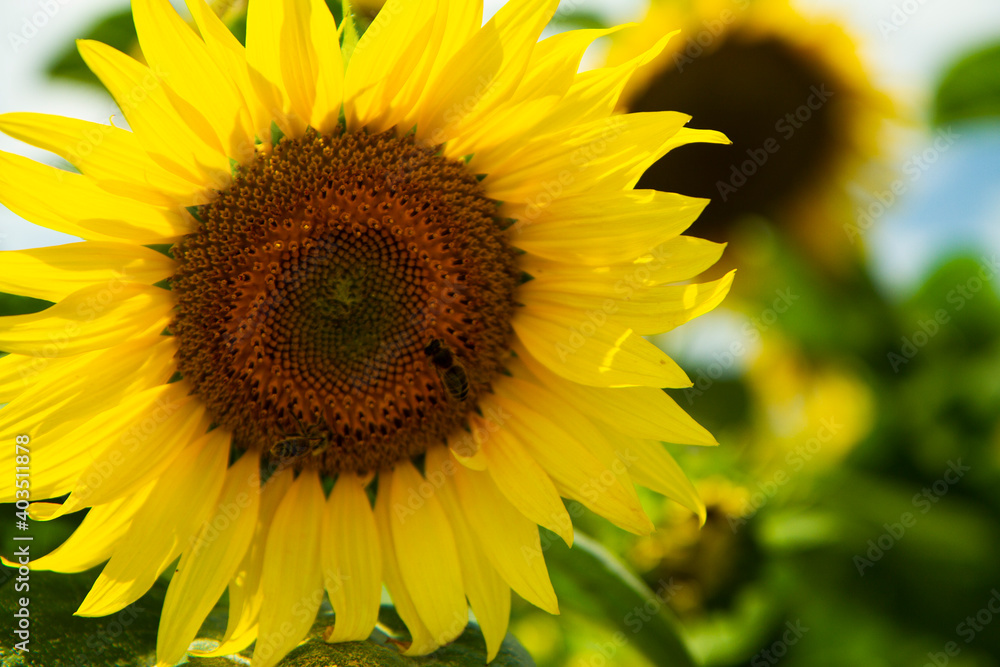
(792, 93)
(346, 315)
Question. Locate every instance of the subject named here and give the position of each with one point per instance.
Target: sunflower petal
(638, 412)
(523, 481)
(180, 141)
(265, 41)
(110, 155)
(151, 432)
(245, 599)
(422, 642)
(184, 63)
(579, 459)
(652, 466)
(509, 539)
(383, 60)
(178, 504)
(90, 319)
(290, 580)
(97, 536)
(231, 58)
(55, 272)
(82, 208)
(483, 72)
(610, 154)
(352, 560)
(212, 559)
(575, 230)
(489, 595)
(600, 353)
(430, 566)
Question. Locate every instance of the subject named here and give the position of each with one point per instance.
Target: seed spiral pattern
(319, 290)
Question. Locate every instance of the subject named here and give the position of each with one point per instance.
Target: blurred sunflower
(806, 413)
(792, 94)
(345, 315)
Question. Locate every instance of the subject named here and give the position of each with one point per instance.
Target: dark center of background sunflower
(744, 89)
(345, 302)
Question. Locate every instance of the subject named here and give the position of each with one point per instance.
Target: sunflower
(345, 315)
(792, 93)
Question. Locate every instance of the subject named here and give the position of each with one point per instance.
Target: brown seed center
(345, 302)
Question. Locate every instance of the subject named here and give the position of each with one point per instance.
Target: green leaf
(13, 304)
(116, 30)
(971, 88)
(597, 584)
(577, 19)
(350, 28)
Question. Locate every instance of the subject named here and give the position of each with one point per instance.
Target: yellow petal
(593, 95)
(576, 455)
(110, 155)
(75, 204)
(610, 154)
(429, 563)
(180, 139)
(489, 595)
(183, 62)
(484, 71)
(466, 448)
(384, 60)
(509, 539)
(291, 579)
(648, 310)
(180, 501)
(549, 74)
(90, 319)
(638, 412)
(422, 641)
(96, 538)
(231, 58)
(245, 598)
(19, 372)
(651, 465)
(575, 229)
(265, 41)
(590, 348)
(352, 560)
(211, 560)
(92, 418)
(55, 272)
(329, 67)
(80, 387)
(522, 480)
(454, 22)
(149, 432)
(679, 259)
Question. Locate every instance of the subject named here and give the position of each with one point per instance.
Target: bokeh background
(852, 378)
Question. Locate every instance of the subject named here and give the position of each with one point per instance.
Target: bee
(452, 372)
(296, 445)
(456, 381)
(440, 354)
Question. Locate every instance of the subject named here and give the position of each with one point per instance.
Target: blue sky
(956, 203)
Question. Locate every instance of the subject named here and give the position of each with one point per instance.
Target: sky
(908, 43)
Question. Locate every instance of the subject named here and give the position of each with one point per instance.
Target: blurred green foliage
(970, 89)
(116, 29)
